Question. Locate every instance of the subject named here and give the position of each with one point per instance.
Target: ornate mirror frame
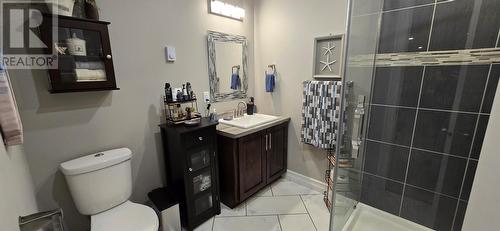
(215, 94)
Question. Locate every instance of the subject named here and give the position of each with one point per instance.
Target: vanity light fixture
(227, 10)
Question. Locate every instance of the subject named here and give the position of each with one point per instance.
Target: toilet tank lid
(95, 161)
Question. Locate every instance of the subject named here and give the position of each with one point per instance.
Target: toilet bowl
(101, 185)
(126, 217)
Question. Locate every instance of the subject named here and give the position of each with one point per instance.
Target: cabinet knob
(200, 138)
(108, 57)
(190, 169)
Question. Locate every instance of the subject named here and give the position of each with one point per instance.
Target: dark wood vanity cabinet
(250, 163)
(192, 170)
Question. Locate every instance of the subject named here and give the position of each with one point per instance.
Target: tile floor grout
(309, 214)
(273, 194)
(264, 215)
(279, 222)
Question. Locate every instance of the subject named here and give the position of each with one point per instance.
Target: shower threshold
(366, 217)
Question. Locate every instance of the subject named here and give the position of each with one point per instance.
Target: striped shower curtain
(320, 113)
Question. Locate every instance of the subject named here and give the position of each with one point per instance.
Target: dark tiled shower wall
(447, 25)
(427, 123)
(423, 148)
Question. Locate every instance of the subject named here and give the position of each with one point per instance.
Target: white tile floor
(283, 206)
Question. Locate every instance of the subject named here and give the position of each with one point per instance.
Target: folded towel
(270, 82)
(10, 121)
(235, 81)
(89, 65)
(83, 75)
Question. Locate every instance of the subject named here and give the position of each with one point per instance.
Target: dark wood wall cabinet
(84, 59)
(250, 163)
(191, 169)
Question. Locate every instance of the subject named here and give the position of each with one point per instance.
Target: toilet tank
(99, 181)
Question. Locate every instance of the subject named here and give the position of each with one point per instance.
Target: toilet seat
(126, 217)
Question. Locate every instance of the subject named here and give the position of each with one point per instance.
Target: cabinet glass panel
(202, 182)
(200, 159)
(81, 57)
(203, 204)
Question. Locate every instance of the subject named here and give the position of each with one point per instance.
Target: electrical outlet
(206, 96)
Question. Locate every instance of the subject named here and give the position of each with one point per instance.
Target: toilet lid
(126, 217)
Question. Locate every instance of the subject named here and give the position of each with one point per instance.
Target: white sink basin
(249, 121)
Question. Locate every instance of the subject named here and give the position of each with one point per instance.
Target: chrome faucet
(240, 111)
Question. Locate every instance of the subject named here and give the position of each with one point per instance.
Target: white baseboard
(305, 181)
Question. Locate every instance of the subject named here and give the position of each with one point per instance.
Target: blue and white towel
(321, 112)
(270, 78)
(270, 82)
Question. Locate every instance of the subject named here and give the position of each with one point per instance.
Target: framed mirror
(227, 66)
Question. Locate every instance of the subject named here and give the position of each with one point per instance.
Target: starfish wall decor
(327, 63)
(328, 57)
(328, 51)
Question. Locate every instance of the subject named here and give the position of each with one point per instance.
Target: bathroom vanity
(250, 158)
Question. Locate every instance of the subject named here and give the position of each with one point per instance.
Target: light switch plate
(206, 96)
(170, 53)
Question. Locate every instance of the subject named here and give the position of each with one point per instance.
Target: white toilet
(101, 185)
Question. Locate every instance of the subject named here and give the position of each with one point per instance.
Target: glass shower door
(419, 81)
(362, 39)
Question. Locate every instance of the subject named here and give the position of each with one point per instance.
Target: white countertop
(236, 132)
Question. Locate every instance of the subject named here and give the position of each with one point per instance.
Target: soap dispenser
(250, 106)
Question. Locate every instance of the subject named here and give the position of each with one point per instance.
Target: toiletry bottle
(214, 116)
(175, 114)
(180, 113)
(188, 113)
(184, 92)
(179, 95)
(168, 93)
(189, 90)
(250, 106)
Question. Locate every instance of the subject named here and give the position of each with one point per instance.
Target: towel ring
(272, 67)
(237, 67)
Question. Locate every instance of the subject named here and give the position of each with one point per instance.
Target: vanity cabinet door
(252, 164)
(276, 152)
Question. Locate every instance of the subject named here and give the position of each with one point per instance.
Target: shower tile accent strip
(429, 58)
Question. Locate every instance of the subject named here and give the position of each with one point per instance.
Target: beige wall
(17, 197)
(284, 35)
(61, 127)
(484, 204)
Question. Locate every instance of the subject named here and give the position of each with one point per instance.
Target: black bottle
(168, 93)
(250, 106)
